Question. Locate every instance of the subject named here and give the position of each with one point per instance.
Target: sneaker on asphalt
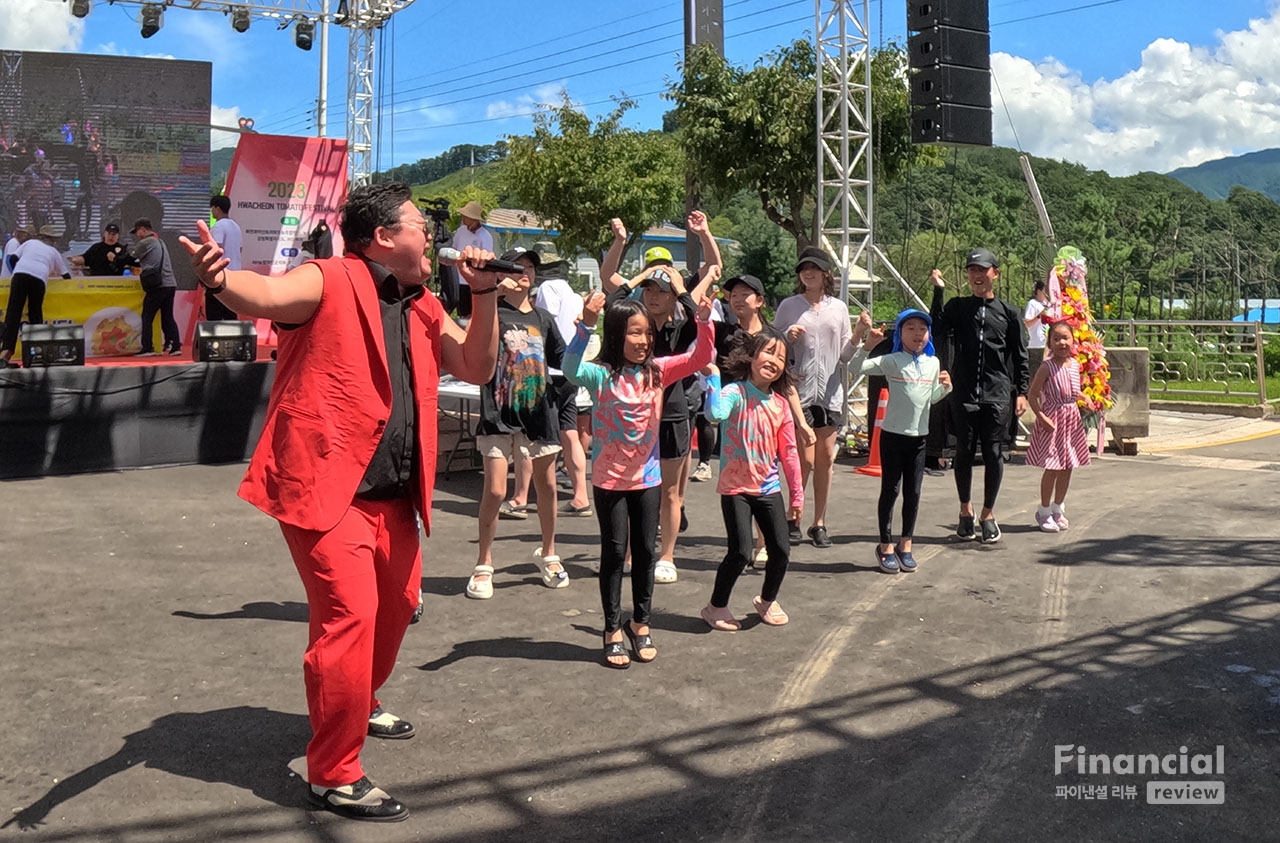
(1045, 521)
(1060, 516)
(793, 533)
(819, 536)
(906, 562)
(965, 528)
(760, 559)
(684, 520)
(990, 531)
(702, 473)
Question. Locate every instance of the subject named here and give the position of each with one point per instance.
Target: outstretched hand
(944, 378)
(875, 336)
(619, 230)
(704, 310)
(861, 327)
(207, 257)
(696, 222)
(937, 279)
(592, 304)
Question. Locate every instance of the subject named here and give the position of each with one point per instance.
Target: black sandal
(614, 649)
(638, 643)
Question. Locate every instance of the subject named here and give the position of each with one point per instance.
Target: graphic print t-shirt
(518, 398)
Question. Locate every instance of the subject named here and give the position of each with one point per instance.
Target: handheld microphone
(450, 257)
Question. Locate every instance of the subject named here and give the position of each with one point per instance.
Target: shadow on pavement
(961, 754)
(289, 610)
(1143, 550)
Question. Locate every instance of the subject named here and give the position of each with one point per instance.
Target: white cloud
(551, 94)
(111, 48)
(39, 25)
(1181, 106)
(220, 116)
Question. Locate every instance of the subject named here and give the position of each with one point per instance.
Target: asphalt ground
(151, 629)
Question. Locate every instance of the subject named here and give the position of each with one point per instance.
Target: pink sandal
(716, 621)
(770, 612)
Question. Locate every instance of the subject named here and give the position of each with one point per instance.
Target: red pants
(362, 580)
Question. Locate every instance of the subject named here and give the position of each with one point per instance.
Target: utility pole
(703, 24)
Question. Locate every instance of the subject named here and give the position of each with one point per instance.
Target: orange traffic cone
(873, 465)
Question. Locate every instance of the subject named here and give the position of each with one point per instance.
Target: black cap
(112, 227)
(140, 222)
(815, 256)
(983, 258)
(750, 280)
(661, 277)
(520, 252)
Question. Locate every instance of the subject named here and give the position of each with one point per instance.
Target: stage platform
(130, 412)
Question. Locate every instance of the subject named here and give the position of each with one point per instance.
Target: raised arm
(471, 355)
(291, 298)
(720, 401)
(941, 330)
(680, 366)
(613, 257)
(578, 372)
(712, 264)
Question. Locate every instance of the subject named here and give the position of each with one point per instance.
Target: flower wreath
(1069, 302)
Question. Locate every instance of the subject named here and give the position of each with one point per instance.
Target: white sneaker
(1060, 516)
(665, 571)
(1045, 520)
(761, 558)
(702, 473)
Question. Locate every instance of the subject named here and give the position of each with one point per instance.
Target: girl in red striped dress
(1058, 443)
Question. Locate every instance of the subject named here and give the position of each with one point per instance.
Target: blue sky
(1120, 85)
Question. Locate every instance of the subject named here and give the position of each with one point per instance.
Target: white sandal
(665, 571)
(551, 579)
(481, 589)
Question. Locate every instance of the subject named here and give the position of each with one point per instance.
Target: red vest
(331, 399)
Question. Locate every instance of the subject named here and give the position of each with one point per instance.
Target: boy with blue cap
(916, 382)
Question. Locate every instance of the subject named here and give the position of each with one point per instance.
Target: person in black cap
(106, 257)
(989, 372)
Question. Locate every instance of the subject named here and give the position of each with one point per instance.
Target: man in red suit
(346, 462)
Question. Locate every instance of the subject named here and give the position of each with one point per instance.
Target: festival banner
(280, 188)
(110, 309)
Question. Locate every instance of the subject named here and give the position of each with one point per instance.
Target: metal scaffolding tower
(361, 19)
(846, 177)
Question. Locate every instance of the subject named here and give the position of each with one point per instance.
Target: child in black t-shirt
(518, 414)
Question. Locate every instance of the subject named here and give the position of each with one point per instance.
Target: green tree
(577, 175)
(754, 129)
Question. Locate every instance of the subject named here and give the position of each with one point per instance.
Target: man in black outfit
(988, 371)
(106, 257)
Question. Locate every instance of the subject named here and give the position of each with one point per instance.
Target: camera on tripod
(437, 209)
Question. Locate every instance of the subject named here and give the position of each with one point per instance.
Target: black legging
(986, 423)
(24, 291)
(771, 514)
(706, 439)
(901, 464)
(621, 513)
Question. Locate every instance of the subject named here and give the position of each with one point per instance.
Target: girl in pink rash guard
(626, 386)
(758, 442)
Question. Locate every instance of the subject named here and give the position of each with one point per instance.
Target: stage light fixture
(240, 20)
(81, 8)
(152, 19)
(304, 33)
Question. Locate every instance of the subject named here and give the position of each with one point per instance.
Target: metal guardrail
(1196, 358)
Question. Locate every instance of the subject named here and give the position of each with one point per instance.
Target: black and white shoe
(964, 529)
(384, 724)
(990, 531)
(360, 800)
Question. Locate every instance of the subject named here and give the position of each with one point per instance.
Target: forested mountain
(1258, 171)
(1148, 237)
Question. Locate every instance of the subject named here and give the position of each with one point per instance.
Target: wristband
(217, 289)
(476, 292)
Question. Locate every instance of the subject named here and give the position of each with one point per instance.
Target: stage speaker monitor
(948, 45)
(945, 123)
(52, 345)
(951, 84)
(220, 342)
(965, 14)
